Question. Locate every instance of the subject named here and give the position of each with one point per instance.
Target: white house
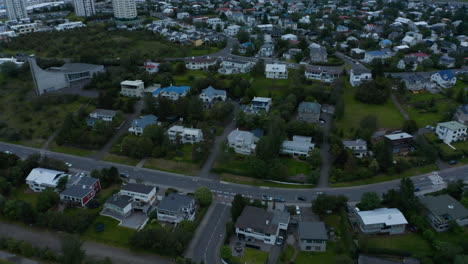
(185, 135)
(381, 220)
(214, 22)
(289, 37)
(260, 224)
(260, 104)
(70, 25)
(444, 79)
(151, 67)
(276, 71)
(357, 76)
(39, 179)
(369, 56)
(298, 147)
(232, 30)
(267, 50)
(172, 92)
(182, 15)
(132, 88)
(243, 142)
(138, 125)
(451, 131)
(358, 146)
(324, 74)
(234, 66)
(200, 63)
(139, 192)
(209, 94)
(103, 114)
(121, 205)
(176, 207)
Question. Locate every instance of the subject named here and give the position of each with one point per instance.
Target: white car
(7, 152)
(68, 164)
(298, 210)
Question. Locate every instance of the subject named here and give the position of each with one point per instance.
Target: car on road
(452, 162)
(319, 193)
(266, 197)
(68, 164)
(298, 210)
(279, 240)
(7, 152)
(124, 175)
(321, 121)
(279, 199)
(417, 189)
(301, 198)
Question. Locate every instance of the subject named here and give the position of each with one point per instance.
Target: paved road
(42, 238)
(223, 189)
(205, 170)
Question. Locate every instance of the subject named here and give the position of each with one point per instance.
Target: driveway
(325, 152)
(42, 238)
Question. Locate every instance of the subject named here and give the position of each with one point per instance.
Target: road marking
(264, 187)
(223, 182)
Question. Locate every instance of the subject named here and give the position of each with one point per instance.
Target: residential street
(41, 238)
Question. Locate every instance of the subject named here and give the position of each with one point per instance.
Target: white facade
(200, 64)
(209, 94)
(232, 30)
(16, 9)
(381, 220)
(139, 196)
(84, 8)
(182, 15)
(298, 147)
(357, 78)
(276, 71)
(124, 9)
(232, 66)
(103, 114)
(444, 79)
(214, 22)
(39, 179)
(243, 142)
(175, 208)
(70, 25)
(24, 28)
(185, 135)
(452, 131)
(151, 67)
(132, 88)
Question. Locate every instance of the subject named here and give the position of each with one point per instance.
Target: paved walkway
(43, 238)
(400, 108)
(325, 153)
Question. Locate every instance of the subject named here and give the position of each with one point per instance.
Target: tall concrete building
(16, 9)
(84, 8)
(124, 9)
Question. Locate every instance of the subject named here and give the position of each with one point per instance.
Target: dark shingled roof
(174, 201)
(261, 220)
(138, 188)
(312, 230)
(444, 205)
(119, 200)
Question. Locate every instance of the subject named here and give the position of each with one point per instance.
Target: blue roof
(447, 75)
(309, 107)
(376, 53)
(175, 89)
(463, 108)
(247, 44)
(386, 41)
(143, 121)
(210, 91)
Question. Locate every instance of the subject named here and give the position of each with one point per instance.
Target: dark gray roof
(174, 202)
(257, 219)
(88, 181)
(119, 200)
(444, 205)
(312, 230)
(77, 191)
(138, 188)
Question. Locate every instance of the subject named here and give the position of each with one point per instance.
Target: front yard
(253, 256)
(410, 242)
(327, 257)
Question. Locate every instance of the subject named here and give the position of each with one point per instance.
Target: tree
(384, 155)
(47, 199)
(195, 109)
(374, 92)
(62, 183)
(369, 201)
(72, 252)
(324, 203)
(204, 196)
(410, 126)
(180, 68)
(243, 36)
(455, 189)
(367, 127)
(10, 69)
(237, 205)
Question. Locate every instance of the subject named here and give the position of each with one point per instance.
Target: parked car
(452, 162)
(68, 164)
(298, 210)
(7, 152)
(279, 240)
(301, 198)
(124, 175)
(266, 197)
(279, 199)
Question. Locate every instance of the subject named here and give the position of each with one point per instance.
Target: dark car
(452, 162)
(279, 199)
(124, 175)
(301, 198)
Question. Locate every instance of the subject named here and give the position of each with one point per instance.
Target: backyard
(253, 256)
(107, 230)
(410, 242)
(327, 257)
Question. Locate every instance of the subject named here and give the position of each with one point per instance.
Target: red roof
(419, 54)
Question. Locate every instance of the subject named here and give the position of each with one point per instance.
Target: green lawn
(257, 182)
(410, 242)
(286, 255)
(113, 234)
(71, 150)
(188, 77)
(253, 256)
(327, 257)
(276, 88)
(387, 114)
(384, 177)
(296, 167)
(121, 159)
(332, 220)
(172, 166)
(24, 193)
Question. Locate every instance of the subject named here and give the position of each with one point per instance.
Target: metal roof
(387, 216)
(312, 230)
(137, 188)
(174, 202)
(444, 205)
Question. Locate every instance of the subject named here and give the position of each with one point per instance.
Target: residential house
(200, 63)
(232, 30)
(289, 55)
(412, 38)
(243, 142)
(375, 55)
(385, 43)
(132, 88)
(317, 53)
(211, 94)
(172, 92)
(151, 67)
(235, 66)
(358, 53)
(418, 56)
(309, 112)
(401, 143)
(185, 135)
(175, 208)
(381, 220)
(139, 192)
(39, 179)
(214, 22)
(289, 37)
(342, 29)
(444, 79)
(312, 236)
(461, 114)
(100, 115)
(451, 131)
(447, 61)
(417, 82)
(262, 225)
(441, 209)
(80, 190)
(358, 147)
(324, 74)
(259, 104)
(183, 15)
(447, 47)
(357, 76)
(287, 23)
(266, 50)
(139, 124)
(244, 47)
(118, 204)
(298, 147)
(276, 71)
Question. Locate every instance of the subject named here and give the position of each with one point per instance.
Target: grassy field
(276, 88)
(71, 150)
(286, 255)
(387, 114)
(172, 166)
(113, 234)
(296, 167)
(25, 194)
(188, 77)
(327, 257)
(410, 242)
(121, 159)
(384, 177)
(254, 256)
(257, 182)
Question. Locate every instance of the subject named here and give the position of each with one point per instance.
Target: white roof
(275, 67)
(133, 83)
(387, 216)
(262, 99)
(44, 176)
(398, 136)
